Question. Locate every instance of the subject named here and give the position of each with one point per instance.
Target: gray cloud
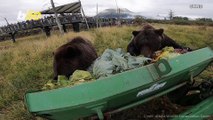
(152, 8)
(155, 7)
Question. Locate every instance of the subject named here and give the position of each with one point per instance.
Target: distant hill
(113, 13)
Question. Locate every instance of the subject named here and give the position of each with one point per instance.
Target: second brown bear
(79, 54)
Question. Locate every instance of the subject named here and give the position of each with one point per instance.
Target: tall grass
(27, 64)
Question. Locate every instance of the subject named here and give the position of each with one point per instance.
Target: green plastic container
(120, 91)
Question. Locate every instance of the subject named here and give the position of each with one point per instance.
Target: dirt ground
(157, 109)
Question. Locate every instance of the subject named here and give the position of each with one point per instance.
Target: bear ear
(135, 33)
(159, 31)
(72, 51)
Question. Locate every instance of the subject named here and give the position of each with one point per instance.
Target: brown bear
(148, 40)
(79, 54)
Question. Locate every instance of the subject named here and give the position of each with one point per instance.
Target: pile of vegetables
(166, 53)
(78, 77)
(109, 63)
(116, 61)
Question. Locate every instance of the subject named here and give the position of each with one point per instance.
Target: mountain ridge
(115, 13)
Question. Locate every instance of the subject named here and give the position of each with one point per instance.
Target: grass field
(27, 64)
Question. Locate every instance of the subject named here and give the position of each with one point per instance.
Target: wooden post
(12, 33)
(118, 13)
(56, 16)
(6, 21)
(97, 16)
(84, 17)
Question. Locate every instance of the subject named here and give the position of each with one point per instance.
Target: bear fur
(79, 54)
(148, 40)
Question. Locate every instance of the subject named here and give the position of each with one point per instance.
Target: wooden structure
(68, 14)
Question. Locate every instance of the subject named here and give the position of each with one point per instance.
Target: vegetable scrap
(109, 63)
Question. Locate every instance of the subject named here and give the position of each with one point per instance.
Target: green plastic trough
(120, 91)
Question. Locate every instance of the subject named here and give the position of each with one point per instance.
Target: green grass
(27, 64)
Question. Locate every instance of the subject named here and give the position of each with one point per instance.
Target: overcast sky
(150, 8)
